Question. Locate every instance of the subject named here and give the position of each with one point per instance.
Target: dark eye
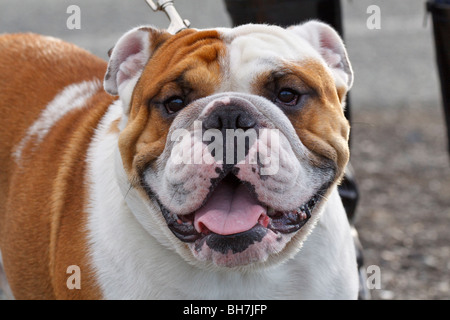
(288, 97)
(174, 104)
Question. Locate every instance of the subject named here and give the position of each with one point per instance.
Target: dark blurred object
(348, 190)
(440, 11)
(285, 12)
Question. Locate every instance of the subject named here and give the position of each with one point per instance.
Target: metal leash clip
(176, 22)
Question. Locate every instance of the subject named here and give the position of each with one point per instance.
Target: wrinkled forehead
(230, 59)
(251, 42)
(253, 48)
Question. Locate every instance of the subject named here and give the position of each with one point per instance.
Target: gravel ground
(403, 170)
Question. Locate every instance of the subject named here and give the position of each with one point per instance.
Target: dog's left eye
(174, 104)
(288, 97)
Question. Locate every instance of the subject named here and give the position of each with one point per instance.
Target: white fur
(253, 49)
(72, 97)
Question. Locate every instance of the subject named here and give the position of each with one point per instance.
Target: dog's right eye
(288, 97)
(174, 104)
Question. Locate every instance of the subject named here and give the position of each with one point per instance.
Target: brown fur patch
(114, 128)
(42, 207)
(187, 64)
(320, 123)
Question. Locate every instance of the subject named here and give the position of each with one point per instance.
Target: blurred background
(399, 144)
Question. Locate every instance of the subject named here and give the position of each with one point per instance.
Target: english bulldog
(201, 165)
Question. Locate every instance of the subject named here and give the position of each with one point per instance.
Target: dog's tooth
(307, 212)
(315, 199)
(292, 217)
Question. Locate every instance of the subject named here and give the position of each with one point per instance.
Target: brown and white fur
(88, 176)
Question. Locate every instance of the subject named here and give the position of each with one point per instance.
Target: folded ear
(328, 43)
(128, 59)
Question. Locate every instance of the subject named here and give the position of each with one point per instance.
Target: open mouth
(232, 218)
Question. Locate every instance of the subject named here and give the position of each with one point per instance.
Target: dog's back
(44, 63)
(48, 67)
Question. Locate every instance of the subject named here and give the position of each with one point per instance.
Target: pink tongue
(229, 210)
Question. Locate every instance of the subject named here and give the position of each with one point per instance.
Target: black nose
(235, 147)
(229, 117)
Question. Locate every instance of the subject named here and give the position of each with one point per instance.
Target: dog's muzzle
(229, 207)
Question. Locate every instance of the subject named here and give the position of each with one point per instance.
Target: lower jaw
(243, 249)
(234, 243)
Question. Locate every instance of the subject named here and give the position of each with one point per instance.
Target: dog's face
(231, 139)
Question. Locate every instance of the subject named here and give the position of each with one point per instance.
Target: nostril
(212, 122)
(229, 117)
(245, 121)
(220, 123)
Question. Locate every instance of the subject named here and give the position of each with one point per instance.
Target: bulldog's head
(231, 139)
